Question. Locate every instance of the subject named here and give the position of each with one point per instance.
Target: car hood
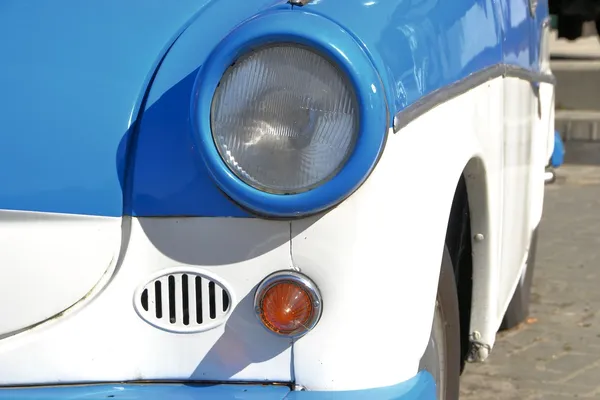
(73, 76)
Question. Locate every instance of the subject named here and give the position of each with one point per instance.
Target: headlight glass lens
(284, 119)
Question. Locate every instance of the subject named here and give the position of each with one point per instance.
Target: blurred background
(555, 354)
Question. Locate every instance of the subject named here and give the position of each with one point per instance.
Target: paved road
(556, 354)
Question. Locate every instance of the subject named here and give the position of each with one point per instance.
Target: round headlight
(284, 119)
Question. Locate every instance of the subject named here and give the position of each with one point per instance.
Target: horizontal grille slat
(183, 301)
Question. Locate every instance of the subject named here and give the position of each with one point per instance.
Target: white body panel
(103, 338)
(517, 154)
(381, 270)
(375, 258)
(49, 262)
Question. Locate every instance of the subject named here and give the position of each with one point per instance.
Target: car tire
(442, 356)
(518, 308)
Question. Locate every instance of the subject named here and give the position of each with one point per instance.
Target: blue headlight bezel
(329, 39)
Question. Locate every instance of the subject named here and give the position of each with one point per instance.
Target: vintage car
(266, 199)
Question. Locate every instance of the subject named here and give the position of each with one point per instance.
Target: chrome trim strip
(301, 280)
(440, 96)
(512, 71)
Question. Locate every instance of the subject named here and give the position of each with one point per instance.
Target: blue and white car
(266, 199)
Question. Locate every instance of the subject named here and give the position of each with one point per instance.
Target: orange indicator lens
(288, 303)
(286, 308)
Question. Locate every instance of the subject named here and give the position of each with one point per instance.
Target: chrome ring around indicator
(301, 280)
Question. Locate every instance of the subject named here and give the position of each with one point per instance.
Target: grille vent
(183, 301)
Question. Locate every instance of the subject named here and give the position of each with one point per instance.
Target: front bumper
(421, 387)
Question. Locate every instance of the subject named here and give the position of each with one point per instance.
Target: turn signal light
(288, 303)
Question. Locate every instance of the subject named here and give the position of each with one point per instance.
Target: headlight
(284, 119)
(288, 114)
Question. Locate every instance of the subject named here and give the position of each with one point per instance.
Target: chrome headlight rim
(328, 40)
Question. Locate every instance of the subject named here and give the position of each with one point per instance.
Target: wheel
(442, 356)
(518, 308)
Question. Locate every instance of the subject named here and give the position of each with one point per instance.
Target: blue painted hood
(72, 78)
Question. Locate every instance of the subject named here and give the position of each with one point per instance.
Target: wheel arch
(469, 241)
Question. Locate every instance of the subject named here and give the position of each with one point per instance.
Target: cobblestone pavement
(556, 353)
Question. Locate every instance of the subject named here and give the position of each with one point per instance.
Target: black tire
(447, 318)
(518, 308)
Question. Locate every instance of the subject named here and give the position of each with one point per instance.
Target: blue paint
(517, 23)
(419, 47)
(148, 392)
(73, 78)
(558, 154)
(416, 50)
(331, 41)
(169, 177)
(420, 387)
